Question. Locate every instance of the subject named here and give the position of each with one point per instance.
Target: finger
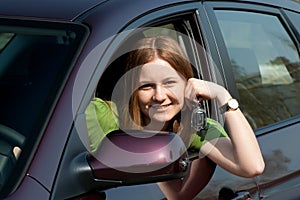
(199, 98)
(188, 103)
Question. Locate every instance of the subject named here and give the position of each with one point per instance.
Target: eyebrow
(151, 82)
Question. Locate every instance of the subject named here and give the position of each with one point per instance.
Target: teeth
(157, 106)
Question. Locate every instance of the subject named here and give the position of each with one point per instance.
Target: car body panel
(29, 189)
(281, 172)
(54, 10)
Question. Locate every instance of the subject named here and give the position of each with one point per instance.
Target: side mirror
(136, 157)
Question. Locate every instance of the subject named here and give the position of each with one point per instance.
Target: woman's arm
(240, 154)
(200, 173)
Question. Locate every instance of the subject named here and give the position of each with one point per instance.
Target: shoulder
(102, 106)
(104, 111)
(214, 129)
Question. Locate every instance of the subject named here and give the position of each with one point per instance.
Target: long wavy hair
(144, 51)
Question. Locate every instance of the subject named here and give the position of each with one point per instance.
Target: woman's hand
(198, 90)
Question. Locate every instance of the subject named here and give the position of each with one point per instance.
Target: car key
(198, 118)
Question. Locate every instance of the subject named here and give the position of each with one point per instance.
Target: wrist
(223, 96)
(231, 105)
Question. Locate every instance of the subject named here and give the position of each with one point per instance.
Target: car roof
(50, 9)
(68, 10)
(287, 4)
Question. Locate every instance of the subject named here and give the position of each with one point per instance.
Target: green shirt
(102, 118)
(213, 130)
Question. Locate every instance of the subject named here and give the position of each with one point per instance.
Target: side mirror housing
(132, 158)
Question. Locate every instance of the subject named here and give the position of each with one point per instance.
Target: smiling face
(160, 92)
(153, 89)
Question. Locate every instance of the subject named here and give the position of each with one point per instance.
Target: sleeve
(213, 130)
(101, 119)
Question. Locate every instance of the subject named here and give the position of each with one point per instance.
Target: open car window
(180, 29)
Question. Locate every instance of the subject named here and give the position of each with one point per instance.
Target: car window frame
(292, 19)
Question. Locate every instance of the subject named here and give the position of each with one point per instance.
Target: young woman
(159, 95)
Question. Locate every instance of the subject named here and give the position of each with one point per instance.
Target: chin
(162, 119)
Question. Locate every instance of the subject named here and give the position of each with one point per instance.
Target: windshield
(35, 61)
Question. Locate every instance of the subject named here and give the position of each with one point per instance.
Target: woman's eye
(170, 83)
(146, 87)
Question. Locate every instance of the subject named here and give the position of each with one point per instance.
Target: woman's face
(161, 91)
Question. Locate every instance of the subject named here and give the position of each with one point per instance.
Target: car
(55, 56)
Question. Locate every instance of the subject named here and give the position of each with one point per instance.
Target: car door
(178, 21)
(255, 48)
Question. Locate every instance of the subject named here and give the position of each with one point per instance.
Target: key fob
(198, 118)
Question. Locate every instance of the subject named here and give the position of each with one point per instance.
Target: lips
(160, 108)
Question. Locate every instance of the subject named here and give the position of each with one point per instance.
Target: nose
(159, 94)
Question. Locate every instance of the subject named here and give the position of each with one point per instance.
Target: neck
(157, 126)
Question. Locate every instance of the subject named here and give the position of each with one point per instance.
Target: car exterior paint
(47, 169)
